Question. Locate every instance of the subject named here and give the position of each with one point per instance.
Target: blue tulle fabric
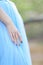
(10, 54)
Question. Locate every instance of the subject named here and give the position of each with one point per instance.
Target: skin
(13, 32)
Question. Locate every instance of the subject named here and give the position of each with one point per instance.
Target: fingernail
(21, 41)
(16, 44)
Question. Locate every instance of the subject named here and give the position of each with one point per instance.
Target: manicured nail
(16, 44)
(21, 41)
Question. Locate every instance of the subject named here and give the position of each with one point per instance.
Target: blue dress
(10, 54)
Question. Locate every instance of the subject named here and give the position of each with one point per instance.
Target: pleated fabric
(10, 54)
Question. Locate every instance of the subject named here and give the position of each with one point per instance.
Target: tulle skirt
(10, 54)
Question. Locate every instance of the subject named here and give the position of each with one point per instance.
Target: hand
(14, 33)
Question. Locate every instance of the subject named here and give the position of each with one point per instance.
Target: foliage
(25, 6)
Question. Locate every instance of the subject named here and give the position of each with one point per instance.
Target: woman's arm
(15, 35)
(5, 18)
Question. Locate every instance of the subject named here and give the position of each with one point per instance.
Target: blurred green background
(26, 6)
(32, 14)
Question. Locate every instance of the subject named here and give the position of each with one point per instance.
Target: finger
(14, 37)
(11, 37)
(20, 37)
(18, 43)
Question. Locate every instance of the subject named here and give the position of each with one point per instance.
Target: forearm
(5, 18)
